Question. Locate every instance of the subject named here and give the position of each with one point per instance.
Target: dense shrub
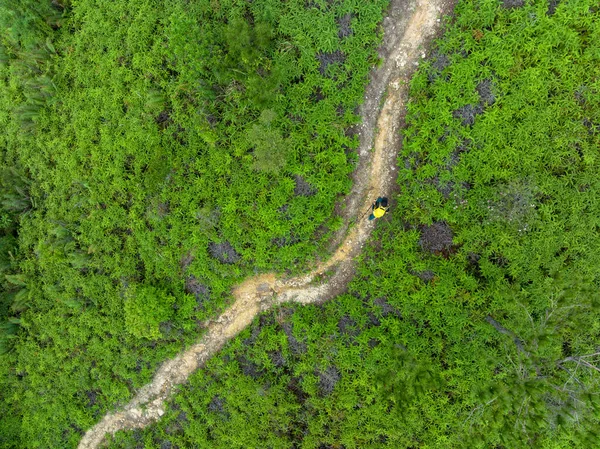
(145, 308)
(498, 348)
(155, 149)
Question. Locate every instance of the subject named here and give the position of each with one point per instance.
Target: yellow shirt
(379, 212)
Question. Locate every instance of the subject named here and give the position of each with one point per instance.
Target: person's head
(384, 202)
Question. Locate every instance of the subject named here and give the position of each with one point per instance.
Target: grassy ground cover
(473, 319)
(153, 154)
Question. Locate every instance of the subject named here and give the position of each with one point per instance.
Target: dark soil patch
(446, 189)
(413, 161)
(485, 89)
(283, 211)
(440, 61)
(386, 307)
(499, 260)
(166, 444)
(464, 146)
(253, 336)
(436, 238)
(327, 59)
(249, 368)
(317, 95)
(374, 321)
(453, 160)
(280, 242)
(303, 188)
(297, 347)
(591, 126)
(468, 113)
(473, 265)
(182, 418)
(512, 4)
(163, 209)
(347, 326)
(373, 342)
(212, 120)
(163, 120)
(295, 386)
(216, 405)
(444, 136)
(328, 379)
(186, 260)
(344, 25)
(167, 328)
(92, 397)
(265, 320)
(277, 358)
(223, 252)
(426, 276)
(200, 291)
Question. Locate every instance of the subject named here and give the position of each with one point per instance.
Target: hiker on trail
(379, 208)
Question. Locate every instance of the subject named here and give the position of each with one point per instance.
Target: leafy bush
(162, 142)
(145, 308)
(472, 320)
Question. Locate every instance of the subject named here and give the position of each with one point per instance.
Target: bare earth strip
(410, 25)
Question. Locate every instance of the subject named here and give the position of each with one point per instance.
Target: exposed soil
(425, 276)
(196, 288)
(468, 113)
(344, 24)
(552, 5)
(436, 238)
(408, 28)
(327, 59)
(485, 89)
(302, 187)
(328, 378)
(511, 4)
(223, 252)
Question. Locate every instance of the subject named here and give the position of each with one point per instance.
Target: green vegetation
(139, 186)
(473, 319)
(154, 153)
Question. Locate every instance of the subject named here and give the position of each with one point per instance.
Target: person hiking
(379, 208)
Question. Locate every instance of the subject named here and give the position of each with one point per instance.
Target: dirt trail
(409, 26)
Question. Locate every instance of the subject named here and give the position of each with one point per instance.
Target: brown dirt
(409, 26)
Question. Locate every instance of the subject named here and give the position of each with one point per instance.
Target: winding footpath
(408, 28)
